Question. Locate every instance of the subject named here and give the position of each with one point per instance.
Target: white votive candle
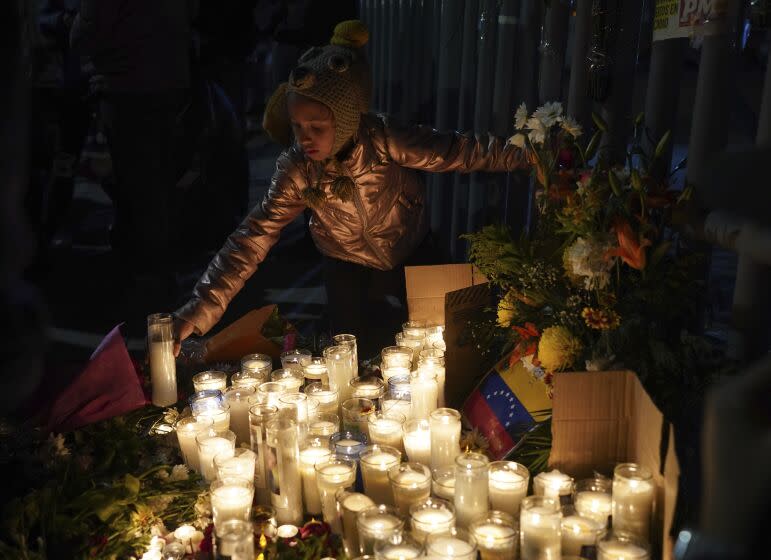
(326, 396)
(391, 371)
(579, 532)
(375, 461)
(291, 378)
(471, 487)
(410, 484)
(210, 444)
(331, 476)
(496, 536)
(210, 380)
(163, 372)
(423, 393)
(400, 547)
(259, 417)
(633, 492)
(417, 441)
(350, 504)
(284, 479)
(431, 516)
(444, 483)
(309, 458)
(220, 416)
(258, 365)
(540, 529)
(187, 428)
(231, 498)
(340, 368)
(398, 406)
(455, 544)
(268, 393)
(552, 484)
(508, 486)
(368, 387)
(445, 436)
(593, 504)
(385, 428)
(377, 523)
(240, 464)
(615, 547)
(238, 399)
(324, 425)
(434, 359)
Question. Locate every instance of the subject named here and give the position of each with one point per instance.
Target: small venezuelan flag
(504, 404)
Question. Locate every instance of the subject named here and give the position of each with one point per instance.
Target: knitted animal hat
(338, 76)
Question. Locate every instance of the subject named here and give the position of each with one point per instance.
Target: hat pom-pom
(351, 33)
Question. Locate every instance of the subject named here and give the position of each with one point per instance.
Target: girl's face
(313, 125)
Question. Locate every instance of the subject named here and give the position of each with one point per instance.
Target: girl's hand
(182, 329)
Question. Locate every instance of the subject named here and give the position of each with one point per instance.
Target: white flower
(520, 117)
(534, 370)
(159, 505)
(152, 554)
(586, 258)
(179, 472)
(53, 449)
(549, 113)
(162, 474)
(537, 132)
(518, 140)
(157, 543)
(159, 530)
(571, 126)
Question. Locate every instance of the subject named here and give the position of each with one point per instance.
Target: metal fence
(467, 64)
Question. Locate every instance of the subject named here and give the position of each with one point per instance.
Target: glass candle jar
(455, 544)
(325, 395)
(295, 358)
(375, 461)
(284, 479)
(231, 498)
(349, 445)
(349, 341)
(340, 368)
(445, 436)
(554, 484)
(471, 486)
(240, 464)
(410, 484)
(508, 486)
(399, 547)
(315, 451)
(350, 504)
(187, 427)
(368, 387)
(385, 428)
(432, 515)
(269, 392)
(434, 359)
(399, 387)
(435, 337)
(633, 493)
(259, 365)
(356, 414)
(245, 379)
(540, 526)
(205, 400)
(592, 499)
(210, 444)
(160, 351)
(264, 521)
(396, 356)
(415, 344)
(259, 417)
(330, 477)
(622, 547)
(295, 407)
(234, 540)
(324, 425)
(414, 328)
(315, 371)
(580, 535)
(375, 524)
(423, 392)
(496, 535)
(291, 378)
(398, 406)
(210, 380)
(417, 441)
(444, 483)
(238, 399)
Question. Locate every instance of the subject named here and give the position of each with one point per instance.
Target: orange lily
(631, 246)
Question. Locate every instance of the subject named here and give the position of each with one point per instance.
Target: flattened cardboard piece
(427, 286)
(463, 361)
(505, 404)
(242, 337)
(603, 418)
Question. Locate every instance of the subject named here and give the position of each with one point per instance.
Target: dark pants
(358, 302)
(140, 136)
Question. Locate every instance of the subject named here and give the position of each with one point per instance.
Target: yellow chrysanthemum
(507, 309)
(558, 349)
(601, 319)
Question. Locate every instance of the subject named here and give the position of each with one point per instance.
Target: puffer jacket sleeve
(246, 248)
(422, 147)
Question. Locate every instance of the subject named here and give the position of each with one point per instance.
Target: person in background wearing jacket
(358, 174)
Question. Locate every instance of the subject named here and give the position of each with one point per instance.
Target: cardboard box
(451, 295)
(600, 419)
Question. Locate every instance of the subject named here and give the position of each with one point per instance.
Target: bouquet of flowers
(602, 281)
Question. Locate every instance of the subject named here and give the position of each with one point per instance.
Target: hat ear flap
(275, 120)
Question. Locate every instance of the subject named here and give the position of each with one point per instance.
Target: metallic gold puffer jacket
(381, 226)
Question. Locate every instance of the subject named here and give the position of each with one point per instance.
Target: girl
(358, 174)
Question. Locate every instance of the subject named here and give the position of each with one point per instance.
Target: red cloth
(107, 387)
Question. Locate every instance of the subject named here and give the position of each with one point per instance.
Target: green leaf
(636, 180)
(600, 122)
(591, 148)
(614, 183)
(132, 484)
(662, 144)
